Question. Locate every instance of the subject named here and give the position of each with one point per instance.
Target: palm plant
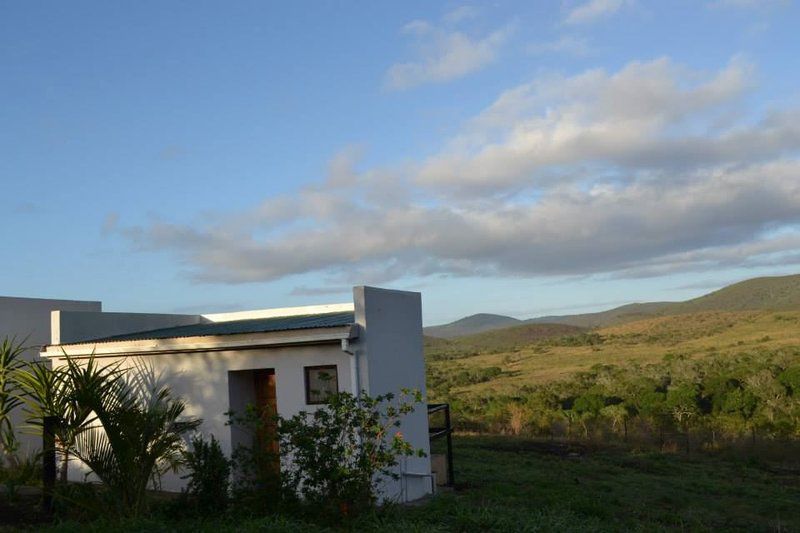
(49, 393)
(137, 431)
(124, 424)
(11, 363)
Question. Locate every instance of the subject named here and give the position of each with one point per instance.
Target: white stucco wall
(391, 338)
(28, 319)
(202, 380)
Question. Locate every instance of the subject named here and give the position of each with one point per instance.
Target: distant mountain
(779, 293)
(618, 315)
(499, 339)
(471, 325)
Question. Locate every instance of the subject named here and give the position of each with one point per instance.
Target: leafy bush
(338, 450)
(208, 474)
(581, 339)
(332, 457)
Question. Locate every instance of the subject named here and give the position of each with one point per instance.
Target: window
(321, 381)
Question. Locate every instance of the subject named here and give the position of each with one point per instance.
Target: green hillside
(497, 340)
(691, 336)
(625, 313)
(776, 293)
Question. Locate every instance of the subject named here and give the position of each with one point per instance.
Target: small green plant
(209, 475)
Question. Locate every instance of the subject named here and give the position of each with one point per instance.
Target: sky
(521, 158)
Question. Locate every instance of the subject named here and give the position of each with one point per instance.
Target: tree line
(706, 402)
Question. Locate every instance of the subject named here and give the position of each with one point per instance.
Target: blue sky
(523, 158)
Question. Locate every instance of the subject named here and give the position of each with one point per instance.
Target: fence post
(49, 425)
(450, 475)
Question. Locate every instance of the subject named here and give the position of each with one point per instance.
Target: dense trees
(683, 401)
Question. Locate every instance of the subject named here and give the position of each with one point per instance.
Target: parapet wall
(75, 326)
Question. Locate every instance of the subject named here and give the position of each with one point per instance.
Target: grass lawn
(513, 484)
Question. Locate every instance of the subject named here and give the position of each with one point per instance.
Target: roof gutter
(348, 348)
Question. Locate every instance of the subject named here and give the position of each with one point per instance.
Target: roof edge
(280, 312)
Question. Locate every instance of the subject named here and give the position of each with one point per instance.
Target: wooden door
(267, 409)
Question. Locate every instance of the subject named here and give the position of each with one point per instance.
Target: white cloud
(625, 173)
(647, 115)
(567, 44)
(444, 54)
(593, 10)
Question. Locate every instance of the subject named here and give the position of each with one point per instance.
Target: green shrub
(338, 451)
(208, 474)
(333, 456)
(581, 339)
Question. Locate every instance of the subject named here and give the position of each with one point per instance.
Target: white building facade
(222, 362)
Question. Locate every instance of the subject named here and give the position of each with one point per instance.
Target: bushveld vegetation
(703, 380)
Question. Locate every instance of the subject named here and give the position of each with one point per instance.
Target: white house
(28, 320)
(219, 362)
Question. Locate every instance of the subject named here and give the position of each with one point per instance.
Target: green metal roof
(233, 327)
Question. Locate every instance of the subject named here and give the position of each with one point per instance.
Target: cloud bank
(644, 171)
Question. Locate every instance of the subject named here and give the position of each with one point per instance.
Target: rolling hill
(618, 315)
(779, 293)
(498, 339)
(471, 325)
(690, 336)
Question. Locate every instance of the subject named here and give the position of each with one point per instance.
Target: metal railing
(446, 431)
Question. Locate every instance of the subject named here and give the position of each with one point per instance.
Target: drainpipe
(347, 348)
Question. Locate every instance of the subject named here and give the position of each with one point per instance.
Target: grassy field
(512, 484)
(694, 335)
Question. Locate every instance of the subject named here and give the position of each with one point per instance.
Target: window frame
(307, 370)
